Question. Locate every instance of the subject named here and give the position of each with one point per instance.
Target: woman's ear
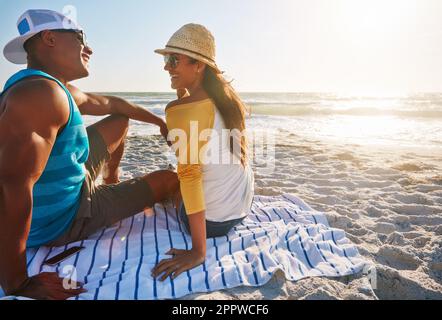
(201, 67)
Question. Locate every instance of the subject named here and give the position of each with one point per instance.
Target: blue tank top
(56, 195)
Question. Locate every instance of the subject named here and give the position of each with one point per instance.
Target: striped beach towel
(282, 233)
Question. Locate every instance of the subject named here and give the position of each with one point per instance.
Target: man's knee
(163, 183)
(113, 130)
(172, 179)
(168, 179)
(120, 120)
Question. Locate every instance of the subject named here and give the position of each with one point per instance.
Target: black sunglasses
(171, 60)
(80, 35)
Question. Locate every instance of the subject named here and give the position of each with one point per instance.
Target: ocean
(411, 122)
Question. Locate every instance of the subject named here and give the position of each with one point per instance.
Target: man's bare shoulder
(78, 95)
(84, 99)
(38, 99)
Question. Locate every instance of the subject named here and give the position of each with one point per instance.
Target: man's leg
(164, 184)
(109, 204)
(113, 130)
(113, 203)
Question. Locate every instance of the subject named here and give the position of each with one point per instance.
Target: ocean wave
(305, 110)
(150, 102)
(427, 106)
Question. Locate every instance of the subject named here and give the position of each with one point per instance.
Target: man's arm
(97, 105)
(35, 111)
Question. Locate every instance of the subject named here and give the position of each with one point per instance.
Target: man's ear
(49, 38)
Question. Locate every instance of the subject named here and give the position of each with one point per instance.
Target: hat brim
(189, 54)
(15, 52)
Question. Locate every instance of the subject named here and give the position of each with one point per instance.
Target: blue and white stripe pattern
(281, 233)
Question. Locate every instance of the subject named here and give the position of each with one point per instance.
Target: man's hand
(182, 261)
(49, 286)
(164, 132)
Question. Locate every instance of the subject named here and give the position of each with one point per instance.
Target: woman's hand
(182, 261)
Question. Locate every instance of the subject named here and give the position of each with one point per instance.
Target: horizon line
(385, 94)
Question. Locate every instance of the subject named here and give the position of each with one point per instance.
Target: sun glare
(374, 32)
(372, 18)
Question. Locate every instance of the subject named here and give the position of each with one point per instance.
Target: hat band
(194, 52)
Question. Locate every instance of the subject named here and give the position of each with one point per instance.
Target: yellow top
(190, 119)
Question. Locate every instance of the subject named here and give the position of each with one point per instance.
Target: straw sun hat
(195, 41)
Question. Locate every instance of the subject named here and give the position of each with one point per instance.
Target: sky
(367, 47)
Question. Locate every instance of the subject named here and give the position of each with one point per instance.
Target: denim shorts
(213, 229)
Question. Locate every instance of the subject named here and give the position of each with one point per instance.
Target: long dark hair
(232, 109)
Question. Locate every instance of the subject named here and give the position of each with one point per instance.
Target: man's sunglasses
(171, 60)
(80, 35)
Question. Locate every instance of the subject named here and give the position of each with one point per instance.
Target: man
(49, 160)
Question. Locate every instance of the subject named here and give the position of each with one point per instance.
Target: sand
(388, 201)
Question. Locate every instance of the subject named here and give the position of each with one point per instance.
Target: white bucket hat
(31, 23)
(195, 41)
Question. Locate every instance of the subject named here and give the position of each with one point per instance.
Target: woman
(216, 181)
